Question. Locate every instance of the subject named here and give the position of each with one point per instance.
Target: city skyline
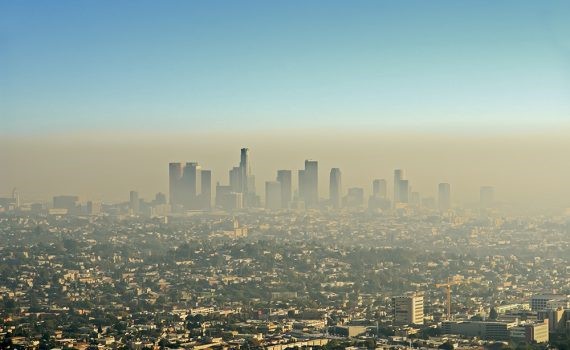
(463, 162)
(190, 188)
(470, 94)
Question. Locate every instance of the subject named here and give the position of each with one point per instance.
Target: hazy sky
(526, 169)
(96, 97)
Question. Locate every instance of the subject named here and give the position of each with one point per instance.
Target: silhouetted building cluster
(190, 187)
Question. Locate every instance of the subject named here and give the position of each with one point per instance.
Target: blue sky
(68, 66)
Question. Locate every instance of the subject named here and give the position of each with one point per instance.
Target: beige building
(531, 332)
(555, 319)
(408, 309)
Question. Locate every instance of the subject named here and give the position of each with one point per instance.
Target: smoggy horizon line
(558, 131)
(527, 168)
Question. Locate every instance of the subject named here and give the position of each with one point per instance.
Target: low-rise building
(480, 329)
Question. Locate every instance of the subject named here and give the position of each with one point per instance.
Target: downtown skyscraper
(278, 193)
(379, 199)
(284, 177)
(444, 197)
(379, 188)
(190, 187)
(243, 181)
(401, 187)
(309, 184)
(335, 188)
(174, 184)
(134, 202)
(244, 170)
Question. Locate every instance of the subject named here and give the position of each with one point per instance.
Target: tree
(194, 321)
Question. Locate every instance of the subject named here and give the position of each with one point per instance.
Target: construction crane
(451, 281)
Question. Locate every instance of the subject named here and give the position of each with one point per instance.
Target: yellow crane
(451, 281)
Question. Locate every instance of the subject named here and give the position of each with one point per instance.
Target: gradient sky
(69, 66)
(97, 96)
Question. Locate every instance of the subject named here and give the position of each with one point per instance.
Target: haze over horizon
(97, 97)
(106, 168)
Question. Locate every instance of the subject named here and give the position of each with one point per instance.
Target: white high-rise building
(408, 309)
